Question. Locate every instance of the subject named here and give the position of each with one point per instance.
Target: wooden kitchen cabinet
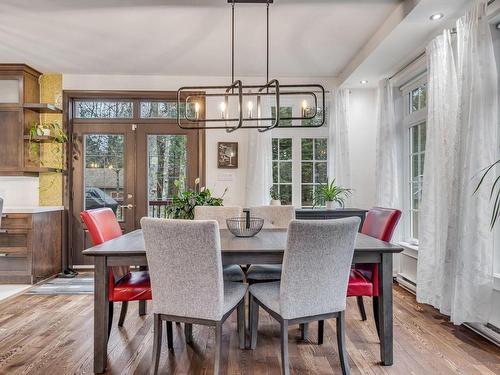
(30, 246)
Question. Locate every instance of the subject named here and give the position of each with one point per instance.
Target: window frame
(321, 132)
(410, 119)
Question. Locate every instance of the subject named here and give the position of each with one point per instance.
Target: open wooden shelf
(42, 170)
(42, 107)
(40, 138)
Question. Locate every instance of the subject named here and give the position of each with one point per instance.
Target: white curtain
(389, 153)
(465, 291)
(259, 166)
(435, 266)
(338, 136)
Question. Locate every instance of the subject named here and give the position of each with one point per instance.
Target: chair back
(103, 226)
(278, 217)
(185, 267)
(316, 266)
(381, 222)
(1, 209)
(217, 213)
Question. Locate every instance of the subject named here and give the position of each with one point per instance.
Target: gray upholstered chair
(313, 284)
(232, 272)
(185, 268)
(275, 217)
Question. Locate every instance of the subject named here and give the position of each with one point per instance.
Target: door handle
(127, 206)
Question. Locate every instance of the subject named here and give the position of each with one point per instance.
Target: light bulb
(197, 109)
(250, 109)
(304, 108)
(223, 109)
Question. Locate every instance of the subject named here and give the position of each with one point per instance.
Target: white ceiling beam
(396, 17)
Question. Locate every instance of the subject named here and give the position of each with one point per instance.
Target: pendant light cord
(232, 42)
(267, 37)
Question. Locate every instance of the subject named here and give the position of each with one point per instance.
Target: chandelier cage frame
(189, 94)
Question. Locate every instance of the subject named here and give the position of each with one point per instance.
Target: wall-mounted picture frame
(227, 155)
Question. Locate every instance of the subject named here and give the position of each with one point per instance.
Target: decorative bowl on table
(244, 226)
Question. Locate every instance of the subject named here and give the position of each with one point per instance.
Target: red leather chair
(124, 286)
(363, 281)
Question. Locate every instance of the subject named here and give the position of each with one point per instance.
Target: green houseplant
(331, 195)
(494, 192)
(51, 129)
(275, 196)
(183, 204)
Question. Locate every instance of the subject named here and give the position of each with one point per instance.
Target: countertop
(31, 209)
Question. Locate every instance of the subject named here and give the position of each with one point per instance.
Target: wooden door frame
(69, 97)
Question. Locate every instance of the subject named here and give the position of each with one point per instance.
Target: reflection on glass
(104, 171)
(167, 162)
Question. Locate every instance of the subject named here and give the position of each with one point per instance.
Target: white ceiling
(186, 37)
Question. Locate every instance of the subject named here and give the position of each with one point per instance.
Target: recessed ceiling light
(363, 82)
(498, 26)
(436, 16)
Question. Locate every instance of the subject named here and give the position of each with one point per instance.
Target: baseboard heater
(488, 331)
(406, 283)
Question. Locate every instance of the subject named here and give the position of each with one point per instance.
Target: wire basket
(244, 226)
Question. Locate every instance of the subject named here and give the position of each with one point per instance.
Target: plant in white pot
(331, 195)
(275, 196)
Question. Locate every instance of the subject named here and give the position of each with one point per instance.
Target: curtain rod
(453, 31)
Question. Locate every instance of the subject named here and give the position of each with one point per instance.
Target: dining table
(267, 247)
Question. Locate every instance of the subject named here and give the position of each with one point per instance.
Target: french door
(130, 168)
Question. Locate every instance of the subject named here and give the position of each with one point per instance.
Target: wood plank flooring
(53, 335)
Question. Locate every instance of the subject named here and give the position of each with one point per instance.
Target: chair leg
(376, 315)
(241, 323)
(344, 359)
(218, 347)
(157, 332)
(321, 331)
(142, 308)
(304, 331)
(361, 307)
(123, 313)
(254, 322)
(188, 332)
(285, 367)
(110, 317)
(170, 337)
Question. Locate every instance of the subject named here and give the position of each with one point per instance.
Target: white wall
(217, 179)
(362, 133)
(19, 191)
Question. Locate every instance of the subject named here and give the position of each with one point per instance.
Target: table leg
(100, 314)
(385, 310)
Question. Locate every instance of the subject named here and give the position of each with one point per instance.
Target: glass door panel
(103, 174)
(167, 163)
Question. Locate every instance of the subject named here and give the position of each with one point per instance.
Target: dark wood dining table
(267, 247)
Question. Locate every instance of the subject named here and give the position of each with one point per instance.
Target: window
(284, 112)
(415, 117)
(103, 109)
(167, 110)
(417, 156)
(299, 166)
(314, 167)
(282, 168)
(314, 121)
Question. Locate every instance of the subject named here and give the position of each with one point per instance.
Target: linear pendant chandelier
(235, 103)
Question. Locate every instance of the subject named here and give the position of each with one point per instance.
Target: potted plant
(331, 195)
(53, 130)
(183, 204)
(275, 196)
(495, 212)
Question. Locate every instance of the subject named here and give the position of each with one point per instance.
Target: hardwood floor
(53, 335)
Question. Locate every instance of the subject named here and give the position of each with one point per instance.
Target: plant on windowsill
(331, 195)
(494, 196)
(275, 196)
(183, 204)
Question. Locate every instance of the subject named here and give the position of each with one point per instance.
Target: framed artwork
(227, 155)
